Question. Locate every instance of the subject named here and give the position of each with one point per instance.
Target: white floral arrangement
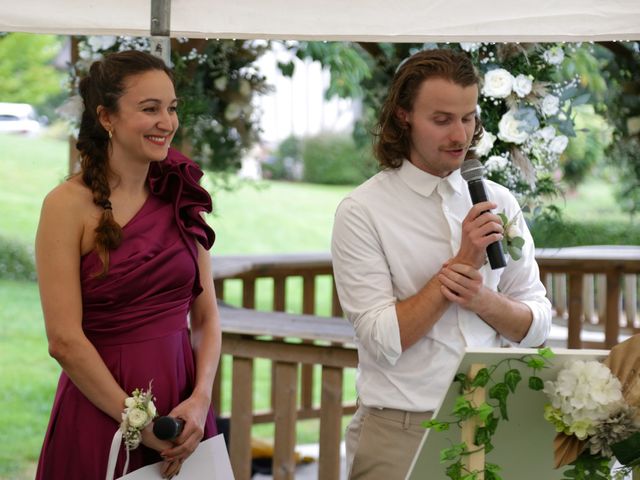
(587, 402)
(526, 113)
(138, 413)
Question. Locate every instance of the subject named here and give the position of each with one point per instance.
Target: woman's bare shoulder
(70, 198)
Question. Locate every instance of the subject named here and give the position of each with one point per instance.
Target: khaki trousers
(381, 443)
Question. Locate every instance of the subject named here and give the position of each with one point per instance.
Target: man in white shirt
(409, 257)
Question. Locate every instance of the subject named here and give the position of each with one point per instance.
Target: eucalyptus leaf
(515, 252)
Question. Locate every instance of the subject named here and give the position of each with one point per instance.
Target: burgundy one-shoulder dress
(137, 319)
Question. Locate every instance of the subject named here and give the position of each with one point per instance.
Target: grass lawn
(276, 217)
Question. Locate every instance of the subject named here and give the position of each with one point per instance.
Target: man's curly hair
(392, 137)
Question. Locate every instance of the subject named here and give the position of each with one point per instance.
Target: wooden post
(241, 417)
(612, 327)
(306, 371)
(330, 422)
(284, 462)
(575, 311)
(476, 460)
(74, 154)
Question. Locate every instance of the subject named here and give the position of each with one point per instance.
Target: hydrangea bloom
(584, 395)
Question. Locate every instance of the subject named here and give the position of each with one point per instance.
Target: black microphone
(472, 171)
(167, 428)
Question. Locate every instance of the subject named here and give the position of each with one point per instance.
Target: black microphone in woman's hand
(472, 171)
(167, 428)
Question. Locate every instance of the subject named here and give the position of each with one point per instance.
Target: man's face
(441, 125)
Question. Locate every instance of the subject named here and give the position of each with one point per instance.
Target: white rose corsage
(138, 413)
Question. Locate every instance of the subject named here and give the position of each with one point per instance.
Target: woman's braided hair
(103, 86)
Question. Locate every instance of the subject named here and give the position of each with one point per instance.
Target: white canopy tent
(358, 20)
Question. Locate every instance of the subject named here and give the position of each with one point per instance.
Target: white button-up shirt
(391, 236)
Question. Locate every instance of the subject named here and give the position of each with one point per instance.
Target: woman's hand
(170, 468)
(194, 412)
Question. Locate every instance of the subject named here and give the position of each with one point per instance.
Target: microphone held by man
(472, 171)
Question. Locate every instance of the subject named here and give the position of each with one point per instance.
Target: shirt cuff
(540, 325)
(380, 335)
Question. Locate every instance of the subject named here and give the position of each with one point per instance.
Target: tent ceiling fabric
(359, 20)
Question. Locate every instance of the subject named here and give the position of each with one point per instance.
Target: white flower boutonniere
(138, 413)
(512, 241)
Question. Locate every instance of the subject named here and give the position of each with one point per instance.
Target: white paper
(210, 461)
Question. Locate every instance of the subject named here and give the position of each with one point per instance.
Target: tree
(26, 71)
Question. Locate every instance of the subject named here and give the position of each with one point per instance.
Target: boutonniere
(512, 241)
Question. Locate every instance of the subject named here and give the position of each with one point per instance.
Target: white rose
(547, 133)
(137, 418)
(497, 83)
(510, 129)
(554, 56)
(470, 46)
(232, 112)
(245, 88)
(101, 42)
(522, 85)
(485, 144)
(496, 163)
(220, 83)
(559, 144)
(550, 105)
(129, 402)
(514, 231)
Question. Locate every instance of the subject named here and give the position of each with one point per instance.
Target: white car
(19, 118)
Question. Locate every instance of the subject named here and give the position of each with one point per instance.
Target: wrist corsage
(512, 242)
(138, 413)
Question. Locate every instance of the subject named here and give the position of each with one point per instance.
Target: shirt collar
(424, 183)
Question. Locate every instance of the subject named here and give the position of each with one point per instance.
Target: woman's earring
(110, 134)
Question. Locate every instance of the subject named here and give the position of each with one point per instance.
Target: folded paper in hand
(210, 461)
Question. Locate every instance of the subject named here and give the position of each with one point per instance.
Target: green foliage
(216, 83)
(550, 231)
(487, 412)
(626, 153)
(610, 71)
(286, 156)
(16, 260)
(587, 148)
(334, 159)
(588, 467)
(26, 69)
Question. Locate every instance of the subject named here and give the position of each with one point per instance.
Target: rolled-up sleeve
(363, 282)
(521, 281)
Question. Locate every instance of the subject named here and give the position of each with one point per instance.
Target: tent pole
(160, 29)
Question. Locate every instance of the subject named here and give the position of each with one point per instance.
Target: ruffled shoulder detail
(175, 179)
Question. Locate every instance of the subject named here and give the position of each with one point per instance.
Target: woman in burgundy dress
(125, 277)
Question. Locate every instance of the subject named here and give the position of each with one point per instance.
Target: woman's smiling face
(146, 119)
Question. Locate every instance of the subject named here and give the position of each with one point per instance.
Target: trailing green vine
(489, 412)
